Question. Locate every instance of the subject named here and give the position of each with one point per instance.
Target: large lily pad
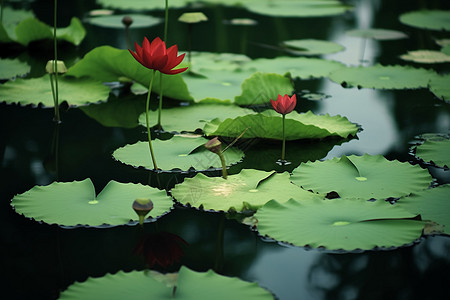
(347, 224)
(178, 153)
(75, 203)
(440, 88)
(268, 124)
(140, 4)
(195, 116)
(383, 77)
(426, 57)
(367, 176)
(295, 8)
(432, 204)
(427, 19)
(37, 91)
(377, 34)
(189, 285)
(10, 68)
(435, 150)
(312, 47)
(115, 21)
(248, 190)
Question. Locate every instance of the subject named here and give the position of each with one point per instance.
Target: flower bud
(142, 206)
(50, 67)
(127, 21)
(214, 145)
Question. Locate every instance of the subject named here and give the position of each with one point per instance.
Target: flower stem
(166, 20)
(283, 148)
(147, 105)
(55, 65)
(224, 165)
(160, 100)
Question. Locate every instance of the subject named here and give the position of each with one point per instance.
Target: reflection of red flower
(163, 248)
(284, 104)
(155, 56)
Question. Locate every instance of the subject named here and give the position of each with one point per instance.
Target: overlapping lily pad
(189, 285)
(440, 88)
(435, 149)
(312, 47)
(36, 91)
(195, 116)
(22, 27)
(75, 203)
(115, 21)
(248, 190)
(347, 224)
(426, 56)
(178, 153)
(295, 8)
(427, 19)
(268, 124)
(367, 176)
(383, 77)
(10, 68)
(377, 34)
(432, 205)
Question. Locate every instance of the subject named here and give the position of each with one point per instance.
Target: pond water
(40, 260)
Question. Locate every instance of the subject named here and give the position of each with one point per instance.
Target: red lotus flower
(155, 56)
(284, 104)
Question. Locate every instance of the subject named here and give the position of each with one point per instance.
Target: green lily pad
(141, 4)
(377, 34)
(301, 67)
(37, 91)
(426, 57)
(75, 203)
(435, 150)
(295, 8)
(195, 116)
(178, 153)
(248, 190)
(268, 124)
(427, 19)
(383, 77)
(364, 176)
(22, 27)
(440, 88)
(312, 47)
(10, 68)
(189, 284)
(115, 21)
(347, 224)
(108, 64)
(446, 49)
(432, 204)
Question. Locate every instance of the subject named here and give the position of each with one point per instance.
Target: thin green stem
(147, 105)
(224, 165)
(166, 20)
(55, 65)
(283, 148)
(1, 12)
(160, 100)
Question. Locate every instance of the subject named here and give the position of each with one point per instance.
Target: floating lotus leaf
(426, 56)
(75, 203)
(367, 176)
(22, 27)
(10, 68)
(178, 153)
(261, 87)
(440, 88)
(121, 111)
(37, 91)
(248, 190)
(446, 49)
(195, 116)
(109, 64)
(427, 19)
(217, 62)
(140, 4)
(268, 124)
(347, 224)
(435, 150)
(115, 21)
(312, 47)
(295, 8)
(190, 285)
(301, 67)
(383, 77)
(432, 204)
(377, 34)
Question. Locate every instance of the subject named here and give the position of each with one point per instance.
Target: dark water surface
(40, 260)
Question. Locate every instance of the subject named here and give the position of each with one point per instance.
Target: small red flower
(155, 56)
(284, 104)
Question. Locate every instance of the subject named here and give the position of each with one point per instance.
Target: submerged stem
(147, 105)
